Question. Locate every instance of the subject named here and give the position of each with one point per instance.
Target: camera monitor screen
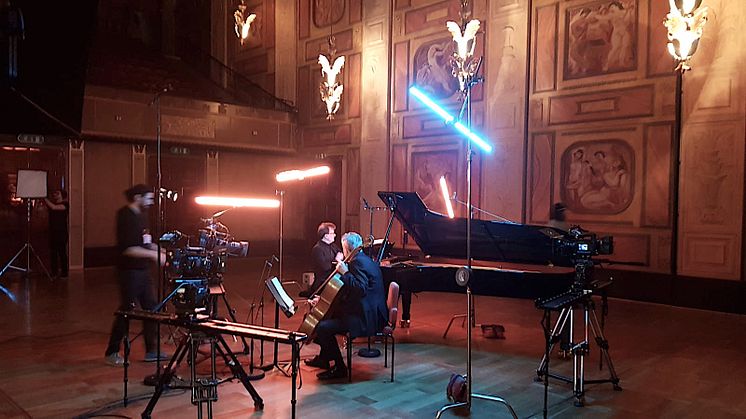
(32, 184)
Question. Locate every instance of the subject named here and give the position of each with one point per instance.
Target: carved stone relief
(598, 177)
(600, 38)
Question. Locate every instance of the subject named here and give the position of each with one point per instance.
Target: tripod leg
(604, 345)
(230, 360)
(13, 259)
(166, 377)
(561, 320)
(579, 351)
(44, 268)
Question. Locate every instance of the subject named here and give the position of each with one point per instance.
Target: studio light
(169, 194)
(446, 196)
(225, 201)
(296, 174)
(448, 119)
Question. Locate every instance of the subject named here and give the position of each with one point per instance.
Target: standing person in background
(58, 233)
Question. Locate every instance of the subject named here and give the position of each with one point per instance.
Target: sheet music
(281, 296)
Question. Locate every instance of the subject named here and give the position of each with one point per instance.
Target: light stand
(275, 363)
(160, 219)
(28, 248)
(467, 107)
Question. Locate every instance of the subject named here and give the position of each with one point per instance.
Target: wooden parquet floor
(673, 362)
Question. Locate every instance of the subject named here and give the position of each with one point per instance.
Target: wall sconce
(243, 22)
(464, 64)
(685, 23)
(330, 89)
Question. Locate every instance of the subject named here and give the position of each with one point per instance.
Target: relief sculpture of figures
(597, 177)
(601, 38)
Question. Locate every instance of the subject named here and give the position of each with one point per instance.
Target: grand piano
(508, 259)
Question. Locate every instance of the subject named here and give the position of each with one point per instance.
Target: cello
(329, 291)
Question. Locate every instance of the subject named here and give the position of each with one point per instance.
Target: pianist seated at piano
(508, 259)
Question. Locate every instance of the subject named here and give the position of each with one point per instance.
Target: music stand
(32, 184)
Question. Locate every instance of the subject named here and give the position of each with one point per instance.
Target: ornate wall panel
(712, 174)
(401, 76)
(352, 175)
(430, 17)
(660, 63)
(656, 209)
(343, 40)
(540, 178)
(327, 135)
(545, 53)
(614, 104)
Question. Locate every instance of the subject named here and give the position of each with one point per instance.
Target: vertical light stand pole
(470, 82)
(675, 175)
(275, 363)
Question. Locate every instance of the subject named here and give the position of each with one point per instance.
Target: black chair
(392, 303)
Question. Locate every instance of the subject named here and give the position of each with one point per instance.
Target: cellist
(361, 309)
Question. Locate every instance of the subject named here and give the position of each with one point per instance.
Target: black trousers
(135, 288)
(326, 331)
(58, 255)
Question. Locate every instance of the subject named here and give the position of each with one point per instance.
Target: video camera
(194, 269)
(580, 245)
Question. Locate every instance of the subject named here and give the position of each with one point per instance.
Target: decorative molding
(329, 135)
(430, 17)
(598, 106)
(188, 127)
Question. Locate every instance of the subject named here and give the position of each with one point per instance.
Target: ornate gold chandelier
(685, 23)
(331, 89)
(243, 22)
(464, 35)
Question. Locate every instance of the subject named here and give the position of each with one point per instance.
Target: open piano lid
(440, 236)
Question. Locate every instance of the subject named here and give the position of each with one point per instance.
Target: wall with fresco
(579, 105)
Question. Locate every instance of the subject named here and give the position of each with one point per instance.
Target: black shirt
(322, 256)
(130, 228)
(58, 221)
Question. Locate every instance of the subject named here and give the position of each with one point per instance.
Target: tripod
(204, 390)
(580, 297)
(28, 248)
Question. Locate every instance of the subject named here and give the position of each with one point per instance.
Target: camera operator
(136, 252)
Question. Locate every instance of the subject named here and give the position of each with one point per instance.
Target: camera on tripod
(580, 245)
(194, 270)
